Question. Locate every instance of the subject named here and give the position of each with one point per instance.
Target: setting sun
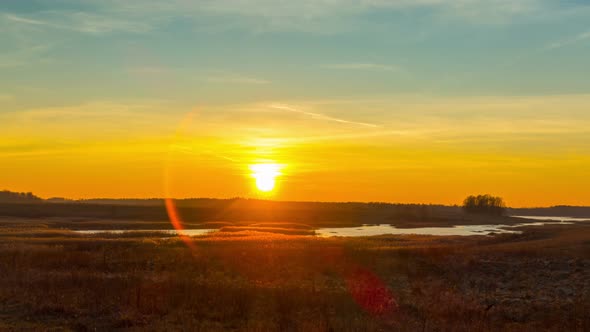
(265, 176)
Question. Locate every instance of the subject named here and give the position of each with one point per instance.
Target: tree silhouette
(10, 197)
(484, 204)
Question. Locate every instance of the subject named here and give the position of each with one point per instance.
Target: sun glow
(265, 176)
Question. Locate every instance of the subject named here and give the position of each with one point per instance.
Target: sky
(422, 101)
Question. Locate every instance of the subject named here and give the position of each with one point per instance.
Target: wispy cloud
(314, 16)
(91, 119)
(569, 41)
(19, 19)
(150, 70)
(93, 23)
(314, 9)
(237, 80)
(319, 116)
(435, 117)
(362, 66)
(260, 15)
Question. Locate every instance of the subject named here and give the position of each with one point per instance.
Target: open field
(251, 280)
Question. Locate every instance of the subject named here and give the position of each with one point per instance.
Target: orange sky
(538, 158)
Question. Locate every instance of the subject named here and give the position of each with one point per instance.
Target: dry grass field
(276, 278)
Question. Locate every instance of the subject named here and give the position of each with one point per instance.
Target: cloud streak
(83, 22)
(237, 80)
(362, 66)
(24, 20)
(319, 116)
(569, 41)
(315, 9)
(138, 16)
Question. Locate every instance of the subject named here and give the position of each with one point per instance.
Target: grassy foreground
(244, 280)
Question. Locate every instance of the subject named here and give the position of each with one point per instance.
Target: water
(466, 230)
(372, 230)
(545, 218)
(187, 232)
(384, 229)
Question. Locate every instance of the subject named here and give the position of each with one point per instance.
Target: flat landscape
(295, 165)
(279, 276)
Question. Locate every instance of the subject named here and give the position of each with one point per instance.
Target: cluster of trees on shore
(15, 197)
(484, 204)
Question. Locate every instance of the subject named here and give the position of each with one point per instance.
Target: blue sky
(287, 49)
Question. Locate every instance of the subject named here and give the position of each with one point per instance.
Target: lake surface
(187, 232)
(372, 230)
(464, 230)
(383, 229)
(545, 218)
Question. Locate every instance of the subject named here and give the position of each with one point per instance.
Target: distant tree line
(484, 204)
(10, 197)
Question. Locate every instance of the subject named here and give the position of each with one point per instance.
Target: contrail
(321, 116)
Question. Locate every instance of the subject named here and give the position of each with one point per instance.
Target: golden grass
(252, 280)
